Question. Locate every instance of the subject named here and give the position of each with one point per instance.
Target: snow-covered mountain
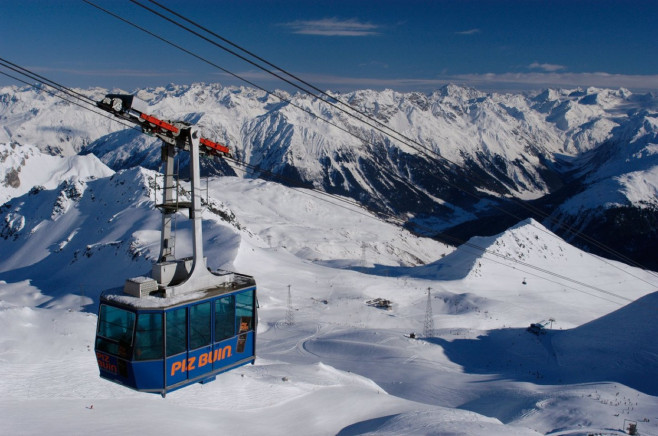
(613, 194)
(473, 163)
(26, 167)
(52, 237)
(30, 115)
(343, 367)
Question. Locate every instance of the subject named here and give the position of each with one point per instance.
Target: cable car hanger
(167, 272)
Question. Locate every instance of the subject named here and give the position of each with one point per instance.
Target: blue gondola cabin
(155, 344)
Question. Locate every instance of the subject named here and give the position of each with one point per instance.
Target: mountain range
(453, 164)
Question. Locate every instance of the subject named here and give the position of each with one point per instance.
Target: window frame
(103, 319)
(251, 311)
(138, 346)
(169, 336)
(196, 337)
(231, 322)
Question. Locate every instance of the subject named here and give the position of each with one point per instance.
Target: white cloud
(333, 27)
(108, 72)
(486, 82)
(549, 68)
(555, 79)
(468, 32)
(374, 64)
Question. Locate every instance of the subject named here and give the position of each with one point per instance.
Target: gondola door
(176, 346)
(199, 356)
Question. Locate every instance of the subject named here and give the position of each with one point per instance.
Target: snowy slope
(25, 166)
(33, 116)
(344, 367)
(52, 237)
(72, 228)
(599, 349)
(623, 171)
(322, 229)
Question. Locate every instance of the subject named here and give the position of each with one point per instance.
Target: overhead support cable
(237, 76)
(46, 81)
(392, 133)
(319, 94)
(477, 247)
(309, 191)
(376, 124)
(353, 203)
(304, 109)
(244, 50)
(58, 88)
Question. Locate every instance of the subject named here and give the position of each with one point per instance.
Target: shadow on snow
(618, 347)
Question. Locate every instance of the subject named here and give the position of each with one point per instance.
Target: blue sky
(344, 45)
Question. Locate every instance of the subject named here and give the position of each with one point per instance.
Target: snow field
(344, 367)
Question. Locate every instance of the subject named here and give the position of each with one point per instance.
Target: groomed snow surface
(343, 367)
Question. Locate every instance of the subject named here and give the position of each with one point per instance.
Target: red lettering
(105, 364)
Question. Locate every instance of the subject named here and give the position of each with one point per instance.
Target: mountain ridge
(482, 153)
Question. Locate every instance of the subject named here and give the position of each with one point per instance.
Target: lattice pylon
(428, 328)
(290, 313)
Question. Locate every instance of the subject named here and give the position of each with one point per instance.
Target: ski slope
(343, 367)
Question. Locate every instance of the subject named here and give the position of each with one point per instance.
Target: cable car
(155, 344)
(184, 323)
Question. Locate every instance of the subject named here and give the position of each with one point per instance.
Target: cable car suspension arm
(131, 108)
